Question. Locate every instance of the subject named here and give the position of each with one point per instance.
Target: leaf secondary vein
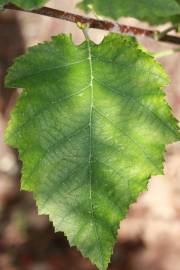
(47, 151)
(130, 139)
(138, 100)
(46, 108)
(53, 68)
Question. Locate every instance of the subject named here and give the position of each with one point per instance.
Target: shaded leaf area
(154, 11)
(90, 130)
(26, 4)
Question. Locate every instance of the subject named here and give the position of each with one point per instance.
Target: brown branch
(99, 24)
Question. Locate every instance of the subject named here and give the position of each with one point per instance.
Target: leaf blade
(154, 12)
(30, 4)
(85, 164)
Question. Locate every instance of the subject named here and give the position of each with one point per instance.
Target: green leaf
(154, 11)
(176, 19)
(25, 4)
(91, 127)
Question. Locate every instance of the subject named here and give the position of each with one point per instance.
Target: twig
(98, 24)
(166, 31)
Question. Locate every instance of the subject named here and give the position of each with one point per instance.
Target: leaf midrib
(90, 152)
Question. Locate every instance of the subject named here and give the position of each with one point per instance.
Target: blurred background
(149, 237)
